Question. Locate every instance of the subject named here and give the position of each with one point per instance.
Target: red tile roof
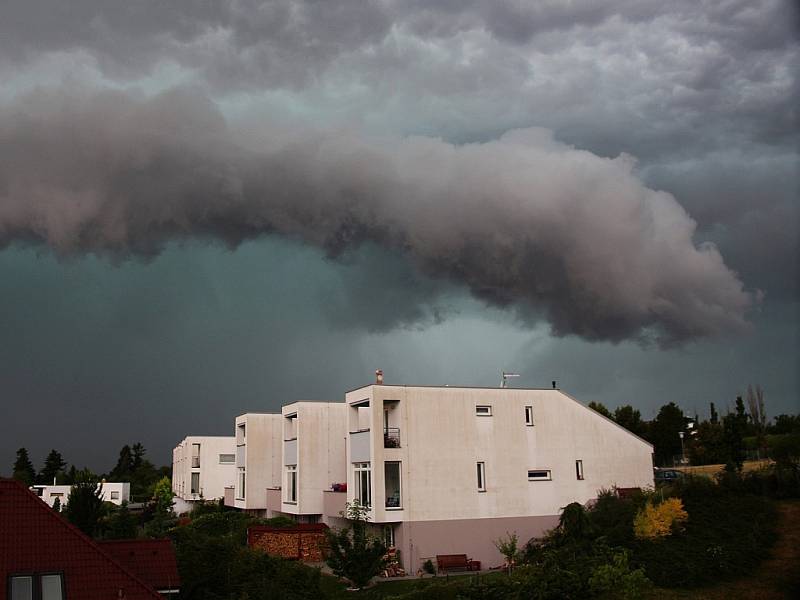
(34, 538)
(152, 561)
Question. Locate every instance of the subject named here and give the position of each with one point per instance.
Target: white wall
(214, 475)
(442, 440)
(114, 492)
(260, 455)
(318, 452)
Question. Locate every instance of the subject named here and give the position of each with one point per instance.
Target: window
(483, 411)
(579, 469)
(291, 483)
(56, 494)
(227, 459)
(388, 536)
(391, 472)
(363, 481)
(539, 475)
(481, 477)
(529, 416)
(38, 587)
(115, 495)
(195, 456)
(195, 487)
(241, 484)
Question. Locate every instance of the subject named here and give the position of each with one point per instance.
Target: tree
(85, 505)
(600, 407)
(23, 468)
(509, 548)
(57, 505)
(124, 467)
(734, 427)
(714, 416)
(122, 525)
(630, 418)
(708, 447)
(138, 453)
(664, 431)
(758, 414)
(162, 509)
(53, 465)
(354, 554)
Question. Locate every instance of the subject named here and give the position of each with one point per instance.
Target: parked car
(667, 475)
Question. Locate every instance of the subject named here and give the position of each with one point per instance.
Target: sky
(209, 208)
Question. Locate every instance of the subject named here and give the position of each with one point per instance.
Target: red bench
(453, 562)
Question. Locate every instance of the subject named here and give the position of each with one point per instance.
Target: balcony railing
(391, 437)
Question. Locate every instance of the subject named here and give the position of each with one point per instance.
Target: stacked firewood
(392, 566)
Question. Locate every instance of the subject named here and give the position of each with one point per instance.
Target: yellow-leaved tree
(657, 521)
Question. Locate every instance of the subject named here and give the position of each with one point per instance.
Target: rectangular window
(195, 486)
(291, 483)
(391, 472)
(56, 494)
(363, 483)
(227, 459)
(115, 495)
(388, 536)
(539, 475)
(242, 482)
(52, 587)
(481, 477)
(529, 416)
(195, 456)
(579, 469)
(483, 411)
(22, 588)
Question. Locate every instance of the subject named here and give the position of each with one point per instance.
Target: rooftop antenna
(503, 383)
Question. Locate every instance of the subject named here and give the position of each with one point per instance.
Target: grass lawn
(778, 577)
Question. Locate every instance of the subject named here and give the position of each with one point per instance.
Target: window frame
(227, 462)
(291, 484)
(114, 494)
(399, 484)
(579, 469)
(194, 489)
(549, 476)
(36, 583)
(483, 413)
(481, 475)
(360, 470)
(241, 484)
(529, 416)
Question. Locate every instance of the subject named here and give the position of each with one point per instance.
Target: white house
(202, 467)
(116, 493)
(313, 460)
(447, 470)
(258, 461)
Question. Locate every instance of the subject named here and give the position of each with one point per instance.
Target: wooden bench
(452, 562)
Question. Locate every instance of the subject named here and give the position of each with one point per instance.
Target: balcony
(391, 437)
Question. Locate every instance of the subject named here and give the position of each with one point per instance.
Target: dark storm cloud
(522, 221)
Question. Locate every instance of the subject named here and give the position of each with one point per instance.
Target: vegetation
(353, 553)
(509, 548)
(53, 469)
(659, 520)
(23, 468)
(85, 508)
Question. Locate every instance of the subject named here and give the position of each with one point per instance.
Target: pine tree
(23, 468)
(57, 505)
(714, 415)
(122, 525)
(138, 456)
(85, 505)
(124, 468)
(53, 465)
(600, 407)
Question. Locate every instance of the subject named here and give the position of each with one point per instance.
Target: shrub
(353, 553)
(658, 521)
(428, 567)
(616, 580)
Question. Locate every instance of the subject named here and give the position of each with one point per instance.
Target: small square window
(115, 495)
(579, 469)
(483, 411)
(539, 475)
(529, 416)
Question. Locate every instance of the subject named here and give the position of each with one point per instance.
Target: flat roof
(457, 387)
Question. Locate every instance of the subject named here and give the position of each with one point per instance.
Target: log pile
(302, 542)
(392, 566)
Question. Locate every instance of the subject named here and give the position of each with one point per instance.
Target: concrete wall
(318, 451)
(214, 475)
(259, 453)
(442, 440)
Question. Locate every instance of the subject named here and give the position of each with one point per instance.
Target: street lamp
(683, 453)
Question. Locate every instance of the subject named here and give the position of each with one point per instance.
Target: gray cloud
(522, 221)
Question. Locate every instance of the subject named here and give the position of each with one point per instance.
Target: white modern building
(258, 461)
(202, 467)
(314, 459)
(116, 493)
(447, 470)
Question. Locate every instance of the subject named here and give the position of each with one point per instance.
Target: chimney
(379, 377)
(554, 386)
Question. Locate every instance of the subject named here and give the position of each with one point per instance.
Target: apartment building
(202, 467)
(314, 436)
(447, 470)
(258, 461)
(116, 493)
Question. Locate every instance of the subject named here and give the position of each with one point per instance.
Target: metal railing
(391, 437)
